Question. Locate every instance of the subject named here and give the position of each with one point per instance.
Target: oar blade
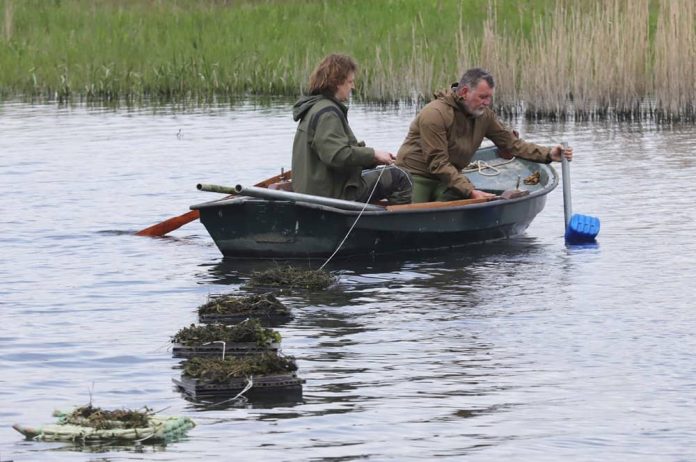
(160, 229)
(582, 228)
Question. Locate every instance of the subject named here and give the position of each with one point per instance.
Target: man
(327, 159)
(447, 132)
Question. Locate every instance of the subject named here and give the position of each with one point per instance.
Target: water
(520, 350)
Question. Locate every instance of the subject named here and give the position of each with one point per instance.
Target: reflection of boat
(271, 223)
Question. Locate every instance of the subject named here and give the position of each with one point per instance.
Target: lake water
(517, 351)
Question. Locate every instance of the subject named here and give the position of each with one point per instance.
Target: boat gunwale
(547, 188)
(441, 208)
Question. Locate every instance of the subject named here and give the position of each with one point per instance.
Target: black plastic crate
(266, 320)
(284, 387)
(215, 349)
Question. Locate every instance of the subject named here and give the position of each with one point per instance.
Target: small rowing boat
(268, 221)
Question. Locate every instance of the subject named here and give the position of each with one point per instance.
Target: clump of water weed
(248, 331)
(256, 306)
(100, 419)
(218, 370)
(293, 278)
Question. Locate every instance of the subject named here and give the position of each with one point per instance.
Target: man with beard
(446, 133)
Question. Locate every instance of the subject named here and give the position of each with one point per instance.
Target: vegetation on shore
(625, 58)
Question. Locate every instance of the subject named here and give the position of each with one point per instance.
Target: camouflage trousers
(390, 183)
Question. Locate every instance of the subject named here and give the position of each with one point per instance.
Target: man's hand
(476, 194)
(384, 157)
(556, 153)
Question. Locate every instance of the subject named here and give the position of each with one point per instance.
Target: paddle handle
(567, 204)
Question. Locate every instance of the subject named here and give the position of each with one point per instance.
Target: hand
(384, 157)
(476, 194)
(556, 153)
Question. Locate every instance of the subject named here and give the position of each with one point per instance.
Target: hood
(451, 98)
(304, 104)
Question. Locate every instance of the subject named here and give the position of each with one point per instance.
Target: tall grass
(558, 58)
(675, 60)
(590, 61)
(8, 22)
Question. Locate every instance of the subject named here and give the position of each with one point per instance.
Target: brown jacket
(443, 138)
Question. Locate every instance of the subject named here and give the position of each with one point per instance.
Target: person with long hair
(327, 159)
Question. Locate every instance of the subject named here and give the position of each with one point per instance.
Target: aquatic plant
(102, 419)
(256, 306)
(292, 278)
(552, 58)
(219, 370)
(250, 331)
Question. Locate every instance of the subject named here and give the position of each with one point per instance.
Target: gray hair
(473, 77)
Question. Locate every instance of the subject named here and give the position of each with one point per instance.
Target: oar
(579, 228)
(169, 225)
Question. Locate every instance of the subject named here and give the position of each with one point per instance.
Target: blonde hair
(331, 72)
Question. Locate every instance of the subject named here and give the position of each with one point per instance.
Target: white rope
(356, 220)
(481, 166)
(250, 383)
(224, 346)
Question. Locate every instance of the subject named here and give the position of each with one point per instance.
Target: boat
(269, 222)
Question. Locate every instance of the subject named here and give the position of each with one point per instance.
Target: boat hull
(246, 227)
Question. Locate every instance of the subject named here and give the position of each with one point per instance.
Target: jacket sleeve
(433, 134)
(332, 144)
(503, 138)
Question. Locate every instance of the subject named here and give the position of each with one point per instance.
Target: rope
(250, 383)
(480, 166)
(356, 220)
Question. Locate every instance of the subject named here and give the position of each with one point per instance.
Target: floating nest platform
(266, 376)
(92, 425)
(233, 309)
(219, 350)
(279, 388)
(219, 340)
(289, 277)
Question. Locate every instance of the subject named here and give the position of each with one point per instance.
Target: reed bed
(551, 58)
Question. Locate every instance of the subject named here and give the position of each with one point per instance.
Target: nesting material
(292, 278)
(534, 178)
(88, 424)
(232, 309)
(219, 340)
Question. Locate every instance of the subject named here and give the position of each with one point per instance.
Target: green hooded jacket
(327, 160)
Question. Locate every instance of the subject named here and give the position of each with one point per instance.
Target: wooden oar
(579, 228)
(169, 225)
(438, 205)
(509, 194)
(160, 229)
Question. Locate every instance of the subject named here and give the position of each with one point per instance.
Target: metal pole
(567, 205)
(275, 194)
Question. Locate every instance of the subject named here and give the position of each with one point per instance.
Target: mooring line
(356, 220)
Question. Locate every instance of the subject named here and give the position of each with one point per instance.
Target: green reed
(558, 58)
